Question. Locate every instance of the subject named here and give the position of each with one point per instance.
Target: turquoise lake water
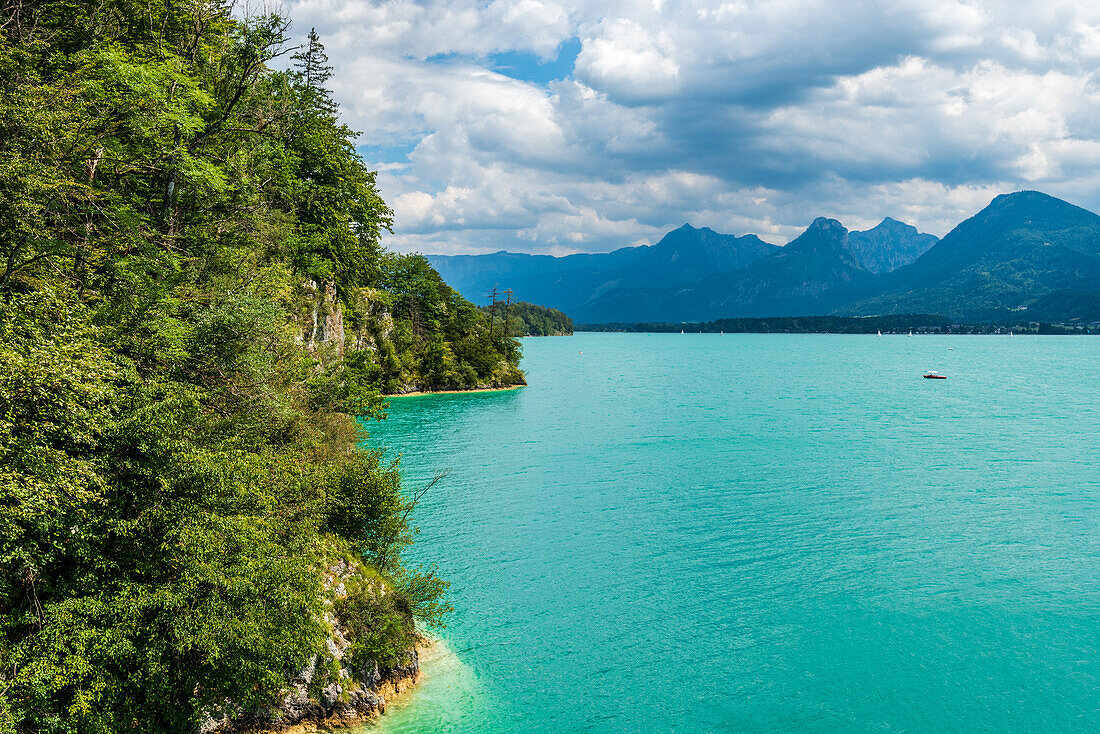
(744, 533)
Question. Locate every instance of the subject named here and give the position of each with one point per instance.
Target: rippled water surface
(725, 533)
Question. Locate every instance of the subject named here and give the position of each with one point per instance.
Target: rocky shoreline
(414, 392)
(330, 692)
(304, 715)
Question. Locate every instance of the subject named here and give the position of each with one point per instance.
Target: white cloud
(743, 116)
(404, 28)
(622, 58)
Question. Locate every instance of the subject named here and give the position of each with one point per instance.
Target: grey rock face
(325, 323)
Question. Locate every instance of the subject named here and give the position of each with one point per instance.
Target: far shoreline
(421, 393)
(914, 323)
(1080, 332)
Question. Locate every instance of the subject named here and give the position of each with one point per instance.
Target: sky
(555, 127)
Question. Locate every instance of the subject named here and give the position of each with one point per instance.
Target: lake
(743, 533)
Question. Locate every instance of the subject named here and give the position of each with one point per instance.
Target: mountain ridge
(1017, 251)
(806, 271)
(682, 256)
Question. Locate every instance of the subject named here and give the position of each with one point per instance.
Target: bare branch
(439, 477)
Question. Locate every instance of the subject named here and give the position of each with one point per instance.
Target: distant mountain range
(684, 255)
(1024, 251)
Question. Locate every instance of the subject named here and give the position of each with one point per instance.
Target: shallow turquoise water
(725, 533)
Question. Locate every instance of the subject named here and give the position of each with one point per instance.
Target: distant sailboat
(910, 332)
(880, 332)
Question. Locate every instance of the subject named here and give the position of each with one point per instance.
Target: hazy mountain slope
(1064, 306)
(683, 255)
(688, 254)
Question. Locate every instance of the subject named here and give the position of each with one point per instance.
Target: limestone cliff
(323, 320)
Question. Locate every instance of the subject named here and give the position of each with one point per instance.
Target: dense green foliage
(436, 340)
(1075, 307)
(527, 319)
(177, 468)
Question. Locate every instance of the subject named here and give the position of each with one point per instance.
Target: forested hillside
(528, 319)
(194, 307)
(1023, 250)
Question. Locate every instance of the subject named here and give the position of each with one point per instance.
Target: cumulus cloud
(741, 115)
(627, 61)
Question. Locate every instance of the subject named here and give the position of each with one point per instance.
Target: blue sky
(553, 126)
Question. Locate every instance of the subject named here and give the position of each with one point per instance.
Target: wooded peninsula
(197, 317)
